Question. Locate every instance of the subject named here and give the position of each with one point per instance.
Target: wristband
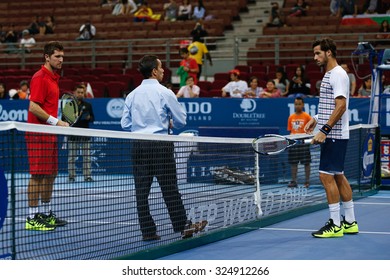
(325, 129)
(52, 120)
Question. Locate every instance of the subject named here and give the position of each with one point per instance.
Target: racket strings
(70, 110)
(270, 145)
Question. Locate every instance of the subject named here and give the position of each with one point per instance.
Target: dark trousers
(156, 159)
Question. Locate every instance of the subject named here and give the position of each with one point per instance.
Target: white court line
(371, 203)
(311, 230)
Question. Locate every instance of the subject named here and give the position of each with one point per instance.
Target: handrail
(268, 49)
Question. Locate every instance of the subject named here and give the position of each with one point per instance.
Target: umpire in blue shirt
(153, 109)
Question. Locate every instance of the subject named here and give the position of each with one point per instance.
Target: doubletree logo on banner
(248, 116)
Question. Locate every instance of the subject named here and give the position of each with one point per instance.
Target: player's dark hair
(147, 64)
(326, 44)
(300, 98)
(52, 46)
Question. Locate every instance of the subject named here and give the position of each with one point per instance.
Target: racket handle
(307, 141)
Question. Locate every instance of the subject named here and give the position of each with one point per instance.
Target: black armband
(325, 129)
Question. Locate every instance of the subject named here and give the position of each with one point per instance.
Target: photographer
(275, 18)
(199, 31)
(87, 31)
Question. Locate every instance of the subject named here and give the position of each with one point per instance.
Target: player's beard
(56, 66)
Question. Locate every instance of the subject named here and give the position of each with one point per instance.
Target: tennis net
(220, 180)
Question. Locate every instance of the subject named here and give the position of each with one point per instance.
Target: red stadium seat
(116, 89)
(66, 84)
(99, 88)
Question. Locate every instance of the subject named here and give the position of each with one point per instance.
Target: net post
(257, 194)
(359, 178)
(13, 193)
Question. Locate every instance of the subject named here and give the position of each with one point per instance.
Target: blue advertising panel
(209, 112)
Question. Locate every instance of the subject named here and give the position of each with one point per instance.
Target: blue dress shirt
(149, 108)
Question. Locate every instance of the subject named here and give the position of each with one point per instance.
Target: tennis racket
(271, 144)
(70, 109)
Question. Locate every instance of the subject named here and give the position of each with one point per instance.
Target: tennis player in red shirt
(42, 148)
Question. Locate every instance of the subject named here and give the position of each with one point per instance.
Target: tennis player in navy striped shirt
(333, 123)
(152, 108)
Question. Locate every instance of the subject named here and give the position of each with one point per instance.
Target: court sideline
(292, 240)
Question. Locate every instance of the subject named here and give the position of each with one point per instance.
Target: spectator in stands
(352, 79)
(129, 7)
(334, 7)
(384, 31)
(253, 90)
(27, 42)
(270, 90)
(3, 93)
(199, 31)
(185, 10)
(124, 7)
(300, 84)
(48, 26)
(276, 16)
(281, 81)
(171, 9)
(24, 90)
(35, 24)
(198, 50)
(300, 9)
(365, 88)
(11, 39)
(199, 11)
(385, 84)
(236, 87)
(190, 90)
(11, 35)
(145, 13)
(87, 31)
(348, 7)
(188, 67)
(370, 6)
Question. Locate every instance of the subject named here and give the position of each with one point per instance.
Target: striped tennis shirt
(335, 83)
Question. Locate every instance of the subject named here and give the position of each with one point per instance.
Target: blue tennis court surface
(292, 240)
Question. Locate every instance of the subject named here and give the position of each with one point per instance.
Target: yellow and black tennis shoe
(37, 223)
(51, 219)
(329, 230)
(349, 228)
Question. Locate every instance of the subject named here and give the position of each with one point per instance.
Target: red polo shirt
(44, 90)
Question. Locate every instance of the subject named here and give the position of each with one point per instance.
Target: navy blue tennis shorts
(333, 155)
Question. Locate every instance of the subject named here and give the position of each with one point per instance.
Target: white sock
(334, 210)
(46, 206)
(349, 211)
(32, 211)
